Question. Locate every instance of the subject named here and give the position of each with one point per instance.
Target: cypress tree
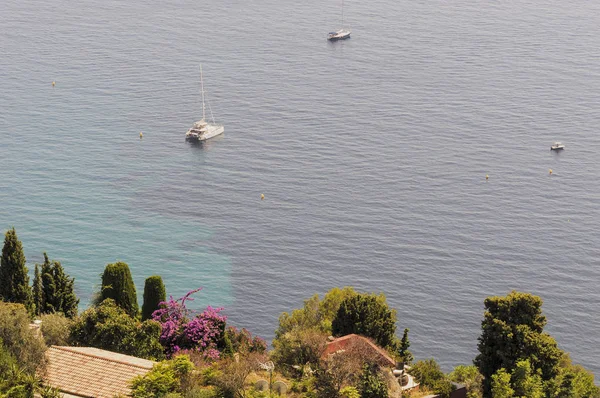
(405, 355)
(117, 284)
(154, 293)
(14, 280)
(48, 287)
(37, 290)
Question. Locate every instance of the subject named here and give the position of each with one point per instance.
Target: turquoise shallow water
(372, 155)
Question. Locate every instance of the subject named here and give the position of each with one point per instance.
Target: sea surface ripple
(371, 153)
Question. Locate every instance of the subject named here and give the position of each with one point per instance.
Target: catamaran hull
(205, 136)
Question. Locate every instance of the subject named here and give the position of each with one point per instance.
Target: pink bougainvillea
(185, 330)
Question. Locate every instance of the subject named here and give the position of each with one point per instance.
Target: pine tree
(117, 284)
(154, 294)
(14, 279)
(37, 290)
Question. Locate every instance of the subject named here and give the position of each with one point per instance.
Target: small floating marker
(141, 135)
(550, 171)
(53, 84)
(262, 196)
(487, 177)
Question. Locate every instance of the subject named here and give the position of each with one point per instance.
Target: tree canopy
(367, 315)
(512, 330)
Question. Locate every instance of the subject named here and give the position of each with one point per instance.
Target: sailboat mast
(202, 85)
(342, 14)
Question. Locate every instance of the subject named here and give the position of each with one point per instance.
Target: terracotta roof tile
(91, 372)
(346, 342)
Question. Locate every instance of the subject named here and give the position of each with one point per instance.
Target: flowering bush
(184, 330)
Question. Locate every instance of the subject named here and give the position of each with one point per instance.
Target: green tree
(58, 290)
(427, 373)
(19, 340)
(470, 377)
(296, 348)
(371, 384)
(573, 381)
(117, 284)
(109, 327)
(14, 279)
(165, 377)
(501, 385)
(154, 294)
(56, 328)
(37, 290)
(525, 382)
(512, 330)
(443, 388)
(316, 313)
(367, 315)
(403, 353)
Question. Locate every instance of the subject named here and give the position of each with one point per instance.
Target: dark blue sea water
(371, 153)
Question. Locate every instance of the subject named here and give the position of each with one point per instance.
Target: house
(365, 346)
(92, 373)
(357, 342)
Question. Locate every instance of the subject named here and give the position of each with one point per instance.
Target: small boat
(557, 146)
(202, 130)
(341, 34)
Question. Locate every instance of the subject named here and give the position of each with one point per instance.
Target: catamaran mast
(202, 85)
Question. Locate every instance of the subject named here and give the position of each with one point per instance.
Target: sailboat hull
(208, 132)
(340, 35)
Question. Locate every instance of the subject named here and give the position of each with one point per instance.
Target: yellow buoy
(141, 135)
(487, 177)
(53, 84)
(262, 196)
(550, 171)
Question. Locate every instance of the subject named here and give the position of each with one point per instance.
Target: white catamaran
(341, 34)
(201, 130)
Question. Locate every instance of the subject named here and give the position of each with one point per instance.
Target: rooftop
(92, 373)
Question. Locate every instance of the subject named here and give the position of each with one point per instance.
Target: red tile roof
(91, 372)
(350, 340)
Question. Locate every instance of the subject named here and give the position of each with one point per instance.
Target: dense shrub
(427, 373)
(372, 384)
(108, 326)
(182, 329)
(56, 329)
(165, 378)
(19, 340)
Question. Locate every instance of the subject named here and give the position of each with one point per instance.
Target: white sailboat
(202, 130)
(341, 34)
